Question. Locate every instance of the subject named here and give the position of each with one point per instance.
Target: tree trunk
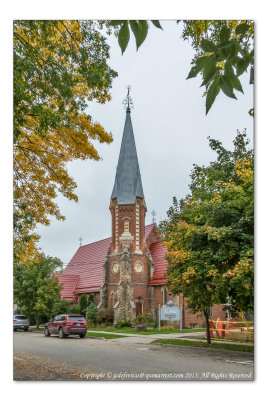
(207, 326)
(37, 321)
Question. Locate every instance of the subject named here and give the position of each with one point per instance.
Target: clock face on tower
(138, 267)
(115, 268)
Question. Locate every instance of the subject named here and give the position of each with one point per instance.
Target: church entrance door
(138, 308)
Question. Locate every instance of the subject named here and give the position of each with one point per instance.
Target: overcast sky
(170, 128)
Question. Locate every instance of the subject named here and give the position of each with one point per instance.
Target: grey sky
(170, 128)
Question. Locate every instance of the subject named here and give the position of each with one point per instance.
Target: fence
(232, 329)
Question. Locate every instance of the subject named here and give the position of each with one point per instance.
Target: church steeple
(127, 206)
(128, 184)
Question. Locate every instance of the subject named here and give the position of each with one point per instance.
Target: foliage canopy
(209, 234)
(58, 67)
(36, 289)
(223, 51)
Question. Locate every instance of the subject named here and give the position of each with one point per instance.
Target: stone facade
(129, 265)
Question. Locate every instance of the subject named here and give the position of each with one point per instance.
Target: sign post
(170, 313)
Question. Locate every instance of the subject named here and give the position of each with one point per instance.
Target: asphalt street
(118, 360)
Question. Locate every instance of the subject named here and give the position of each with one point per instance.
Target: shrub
(91, 312)
(105, 315)
(123, 323)
(83, 304)
(91, 299)
(143, 317)
(167, 328)
(61, 307)
(75, 309)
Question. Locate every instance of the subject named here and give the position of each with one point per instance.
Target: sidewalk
(139, 338)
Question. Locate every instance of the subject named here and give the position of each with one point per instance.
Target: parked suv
(65, 325)
(20, 322)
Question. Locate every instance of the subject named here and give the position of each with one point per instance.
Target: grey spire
(128, 182)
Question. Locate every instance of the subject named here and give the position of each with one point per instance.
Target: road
(118, 360)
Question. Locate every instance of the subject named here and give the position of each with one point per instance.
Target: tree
(83, 304)
(58, 67)
(209, 235)
(223, 51)
(91, 312)
(36, 290)
(90, 299)
(61, 307)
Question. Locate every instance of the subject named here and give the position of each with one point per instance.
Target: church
(127, 271)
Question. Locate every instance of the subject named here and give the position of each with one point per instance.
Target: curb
(199, 347)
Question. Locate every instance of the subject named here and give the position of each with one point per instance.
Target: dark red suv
(65, 325)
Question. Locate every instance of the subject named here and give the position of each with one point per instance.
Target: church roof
(158, 252)
(84, 273)
(68, 283)
(128, 184)
(88, 262)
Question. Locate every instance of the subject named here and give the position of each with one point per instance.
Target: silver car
(20, 322)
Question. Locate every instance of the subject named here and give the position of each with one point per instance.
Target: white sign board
(170, 312)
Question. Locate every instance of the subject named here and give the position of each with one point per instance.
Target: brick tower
(127, 268)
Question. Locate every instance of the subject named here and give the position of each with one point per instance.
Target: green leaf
(228, 69)
(156, 23)
(241, 65)
(229, 74)
(124, 36)
(213, 91)
(236, 83)
(208, 46)
(224, 34)
(209, 70)
(241, 29)
(116, 22)
(143, 29)
(199, 63)
(209, 67)
(206, 82)
(226, 86)
(226, 44)
(135, 28)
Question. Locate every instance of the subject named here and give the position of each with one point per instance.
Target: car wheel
(61, 334)
(46, 332)
(14, 330)
(26, 329)
(82, 335)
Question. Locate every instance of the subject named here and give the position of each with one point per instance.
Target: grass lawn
(104, 335)
(224, 346)
(40, 329)
(148, 332)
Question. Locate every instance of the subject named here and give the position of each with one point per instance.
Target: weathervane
(153, 212)
(81, 241)
(128, 102)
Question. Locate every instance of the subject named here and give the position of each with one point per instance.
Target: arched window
(113, 299)
(139, 305)
(164, 293)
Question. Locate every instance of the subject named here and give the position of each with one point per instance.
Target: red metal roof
(84, 273)
(68, 282)
(158, 252)
(88, 262)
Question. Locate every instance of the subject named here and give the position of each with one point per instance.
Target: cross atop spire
(128, 102)
(153, 212)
